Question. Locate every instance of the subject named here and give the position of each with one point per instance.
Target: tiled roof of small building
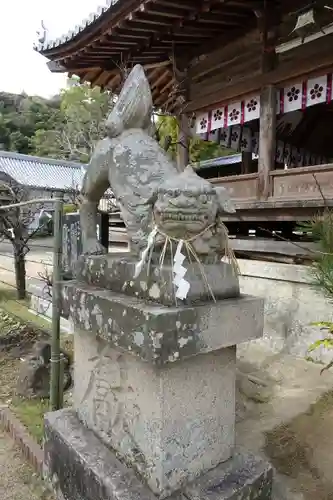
(222, 161)
(46, 173)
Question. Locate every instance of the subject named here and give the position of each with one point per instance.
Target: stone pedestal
(155, 383)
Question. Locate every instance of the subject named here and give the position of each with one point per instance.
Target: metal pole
(56, 305)
(61, 380)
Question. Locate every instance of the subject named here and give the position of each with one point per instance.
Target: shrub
(70, 208)
(321, 230)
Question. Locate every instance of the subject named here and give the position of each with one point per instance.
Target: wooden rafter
(168, 29)
(167, 85)
(157, 34)
(160, 79)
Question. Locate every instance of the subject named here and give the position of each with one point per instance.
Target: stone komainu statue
(146, 183)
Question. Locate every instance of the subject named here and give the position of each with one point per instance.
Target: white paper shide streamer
(181, 285)
(179, 271)
(144, 254)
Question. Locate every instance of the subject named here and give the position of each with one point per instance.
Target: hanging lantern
(307, 19)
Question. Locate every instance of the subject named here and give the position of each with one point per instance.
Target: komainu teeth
(181, 217)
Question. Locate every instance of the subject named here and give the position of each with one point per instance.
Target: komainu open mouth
(185, 216)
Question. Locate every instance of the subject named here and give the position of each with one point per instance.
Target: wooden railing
(302, 183)
(240, 186)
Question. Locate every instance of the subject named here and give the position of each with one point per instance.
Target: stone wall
(40, 297)
(291, 305)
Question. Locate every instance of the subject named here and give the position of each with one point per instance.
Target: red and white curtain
(291, 98)
(225, 124)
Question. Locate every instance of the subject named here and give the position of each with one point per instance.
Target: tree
(69, 125)
(78, 125)
(14, 226)
(167, 133)
(20, 117)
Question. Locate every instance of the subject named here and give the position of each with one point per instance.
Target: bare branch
(320, 190)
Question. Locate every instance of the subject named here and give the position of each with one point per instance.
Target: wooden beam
(314, 60)
(101, 77)
(163, 11)
(170, 104)
(161, 98)
(167, 85)
(144, 18)
(91, 75)
(160, 79)
(268, 21)
(184, 134)
(220, 41)
(125, 32)
(236, 43)
(218, 57)
(159, 33)
(247, 62)
(183, 5)
(76, 68)
(267, 129)
(158, 65)
(110, 83)
(208, 20)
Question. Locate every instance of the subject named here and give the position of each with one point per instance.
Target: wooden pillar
(180, 69)
(104, 229)
(246, 162)
(267, 140)
(183, 142)
(268, 20)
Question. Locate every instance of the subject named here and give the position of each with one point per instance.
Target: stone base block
(115, 272)
(160, 334)
(170, 423)
(81, 467)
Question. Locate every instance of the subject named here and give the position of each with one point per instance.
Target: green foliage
(327, 342)
(20, 117)
(79, 125)
(167, 126)
(69, 208)
(321, 230)
(69, 125)
(64, 127)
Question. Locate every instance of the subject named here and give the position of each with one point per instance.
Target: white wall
(291, 305)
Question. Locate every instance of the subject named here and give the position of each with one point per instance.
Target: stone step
(96, 472)
(115, 272)
(161, 334)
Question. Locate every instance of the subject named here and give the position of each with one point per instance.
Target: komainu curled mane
(149, 189)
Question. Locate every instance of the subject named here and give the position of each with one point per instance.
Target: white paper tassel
(144, 254)
(179, 271)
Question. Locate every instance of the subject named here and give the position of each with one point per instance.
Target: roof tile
(46, 173)
(49, 43)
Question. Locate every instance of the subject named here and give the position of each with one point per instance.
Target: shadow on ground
(302, 449)
(291, 425)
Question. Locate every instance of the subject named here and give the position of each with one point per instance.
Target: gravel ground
(17, 480)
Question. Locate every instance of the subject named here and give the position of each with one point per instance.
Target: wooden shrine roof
(153, 33)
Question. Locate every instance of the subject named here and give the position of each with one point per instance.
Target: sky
(23, 69)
